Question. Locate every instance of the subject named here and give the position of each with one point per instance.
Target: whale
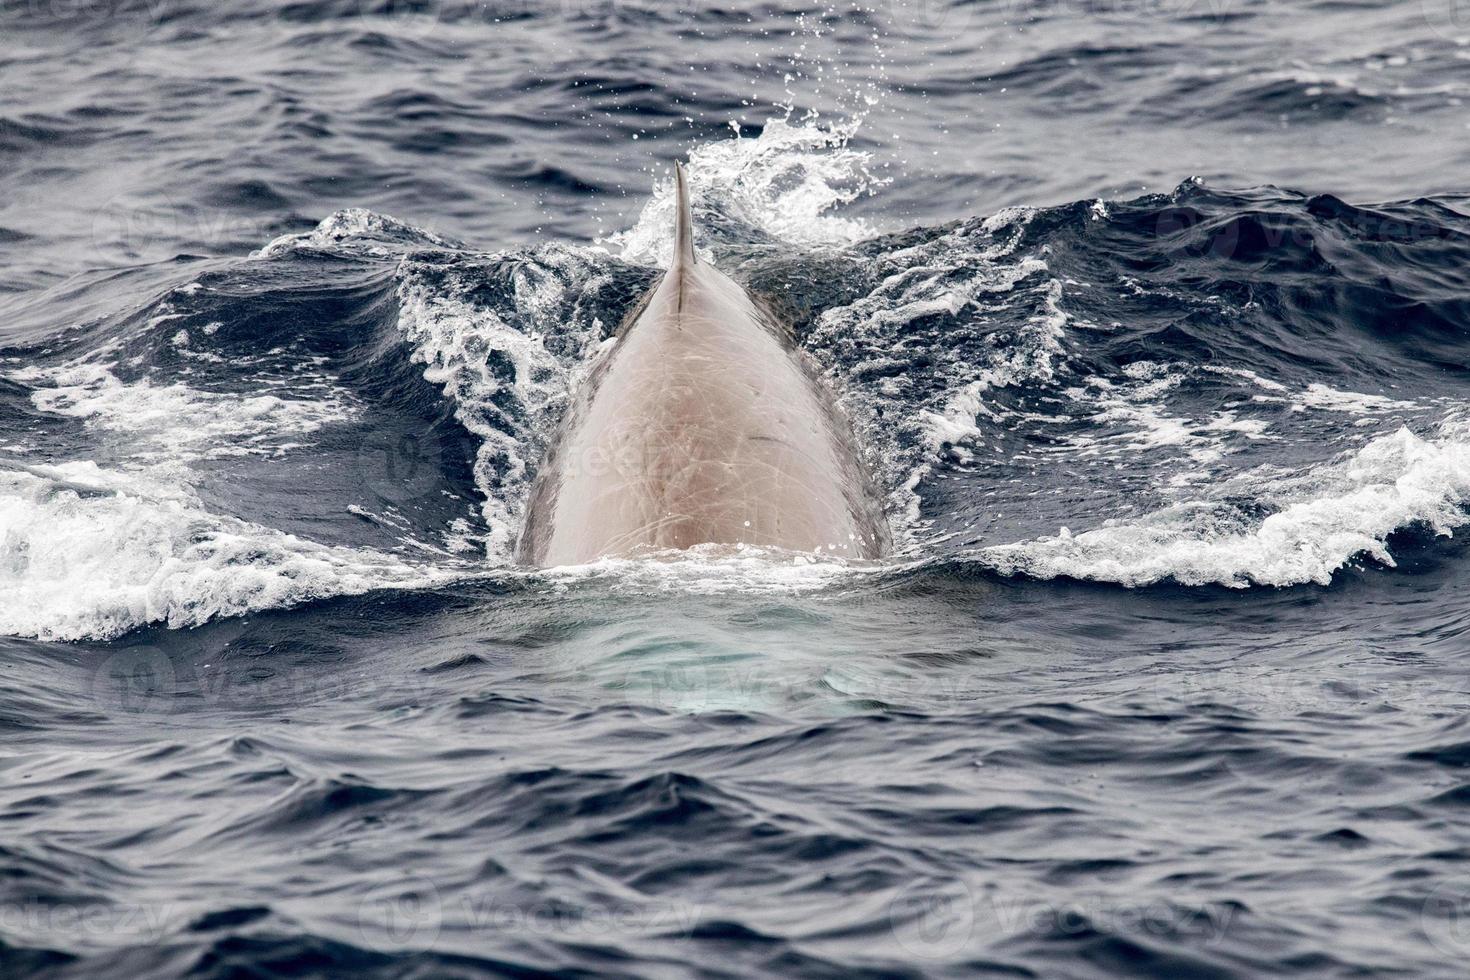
(701, 423)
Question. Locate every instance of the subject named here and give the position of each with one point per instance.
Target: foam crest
(1132, 415)
(176, 422)
(1329, 399)
(89, 553)
(507, 386)
(1323, 519)
(377, 234)
(1031, 357)
(940, 289)
(786, 182)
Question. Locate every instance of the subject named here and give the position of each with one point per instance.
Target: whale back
(702, 426)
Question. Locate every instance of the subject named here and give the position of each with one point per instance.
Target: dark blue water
(1151, 319)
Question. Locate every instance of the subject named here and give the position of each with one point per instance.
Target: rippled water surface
(1151, 320)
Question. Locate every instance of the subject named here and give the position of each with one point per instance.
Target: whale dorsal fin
(683, 222)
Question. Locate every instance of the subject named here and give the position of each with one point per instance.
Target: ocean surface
(1153, 321)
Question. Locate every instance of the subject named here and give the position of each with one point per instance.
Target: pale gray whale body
(701, 426)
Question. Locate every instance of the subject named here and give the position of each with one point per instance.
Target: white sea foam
(1318, 396)
(1136, 409)
(176, 422)
(360, 227)
(513, 415)
(958, 275)
(1325, 398)
(88, 553)
(788, 182)
(1324, 519)
(1029, 358)
(1248, 375)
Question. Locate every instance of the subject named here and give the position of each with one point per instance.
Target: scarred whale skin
(701, 426)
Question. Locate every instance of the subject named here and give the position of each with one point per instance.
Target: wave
(789, 185)
(176, 422)
(1328, 517)
(1229, 387)
(89, 553)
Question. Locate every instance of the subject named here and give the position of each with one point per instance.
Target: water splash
(788, 183)
(1326, 517)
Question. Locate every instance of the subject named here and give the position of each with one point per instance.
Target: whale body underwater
(701, 425)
